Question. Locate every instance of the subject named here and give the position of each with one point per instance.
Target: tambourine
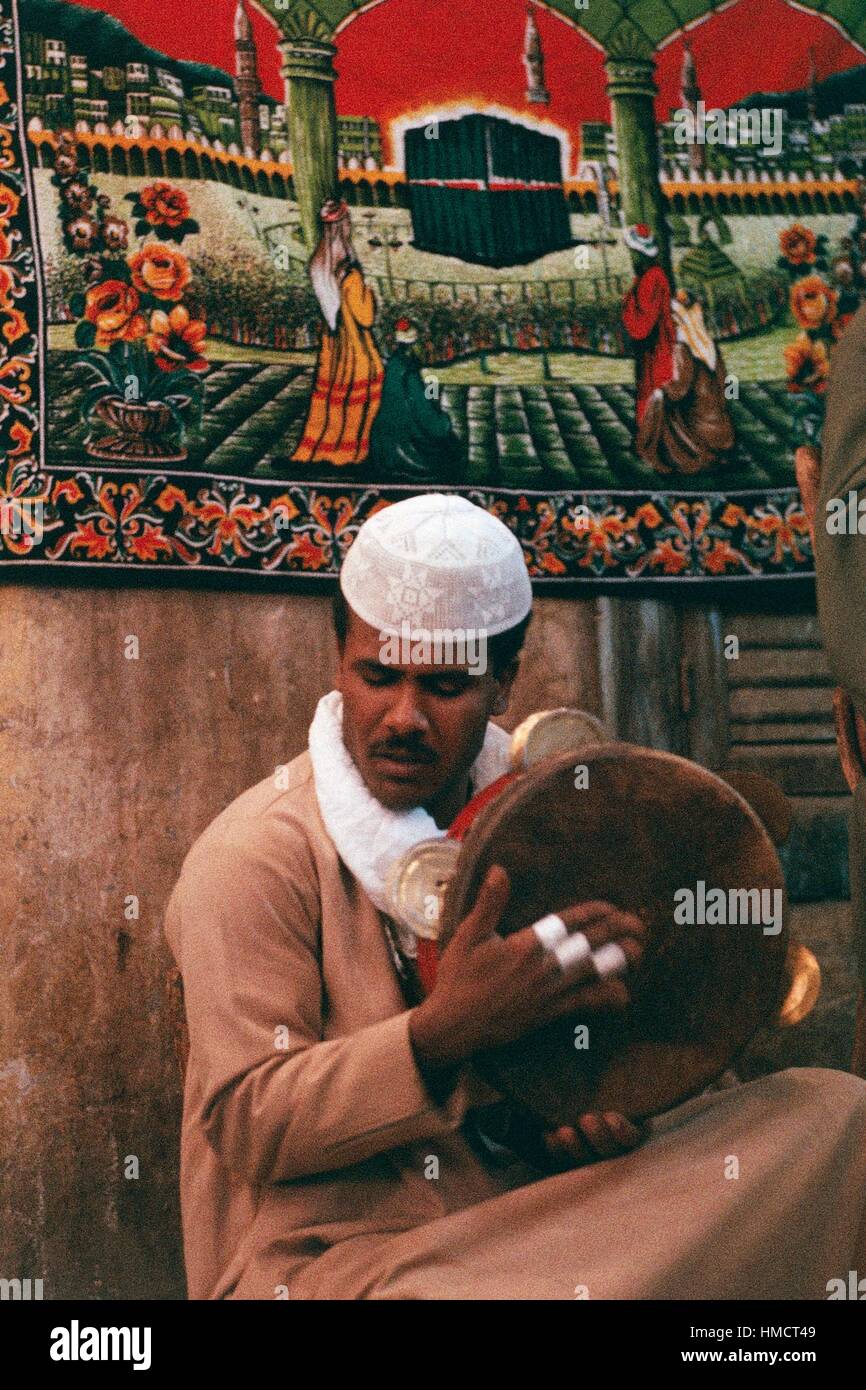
(580, 818)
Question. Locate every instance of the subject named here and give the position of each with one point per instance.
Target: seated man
(332, 1145)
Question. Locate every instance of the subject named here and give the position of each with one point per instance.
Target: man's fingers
(567, 1142)
(593, 916)
(605, 1135)
(609, 1134)
(573, 953)
(487, 909)
(582, 970)
(596, 997)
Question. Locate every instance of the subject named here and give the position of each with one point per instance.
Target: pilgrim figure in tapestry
(413, 438)
(349, 373)
(686, 426)
(647, 317)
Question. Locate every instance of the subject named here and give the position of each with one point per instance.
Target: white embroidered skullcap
(436, 562)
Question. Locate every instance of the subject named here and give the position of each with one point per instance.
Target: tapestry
(267, 266)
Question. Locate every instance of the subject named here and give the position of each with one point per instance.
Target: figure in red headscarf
(646, 315)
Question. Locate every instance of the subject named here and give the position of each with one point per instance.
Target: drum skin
(649, 823)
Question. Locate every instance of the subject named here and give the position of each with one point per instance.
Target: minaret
(811, 95)
(533, 61)
(247, 82)
(691, 95)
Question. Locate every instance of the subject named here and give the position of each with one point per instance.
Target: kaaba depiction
(486, 190)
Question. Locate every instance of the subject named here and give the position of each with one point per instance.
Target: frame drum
(647, 825)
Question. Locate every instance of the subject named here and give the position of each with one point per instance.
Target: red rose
(165, 206)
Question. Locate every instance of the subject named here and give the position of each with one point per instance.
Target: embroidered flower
(113, 307)
(77, 196)
(798, 245)
(807, 365)
(159, 270)
(165, 206)
(115, 234)
(82, 232)
(813, 302)
(65, 164)
(175, 340)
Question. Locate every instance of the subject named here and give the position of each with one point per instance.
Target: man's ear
(505, 681)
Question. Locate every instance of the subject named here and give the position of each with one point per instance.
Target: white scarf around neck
(368, 837)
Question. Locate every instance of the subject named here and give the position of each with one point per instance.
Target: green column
(631, 88)
(308, 69)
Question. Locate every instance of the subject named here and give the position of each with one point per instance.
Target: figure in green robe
(412, 439)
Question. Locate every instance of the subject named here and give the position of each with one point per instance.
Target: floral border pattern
(153, 522)
(23, 488)
(195, 523)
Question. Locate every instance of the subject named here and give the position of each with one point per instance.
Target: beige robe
(840, 571)
(308, 1132)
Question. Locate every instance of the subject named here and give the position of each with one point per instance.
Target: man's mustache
(418, 752)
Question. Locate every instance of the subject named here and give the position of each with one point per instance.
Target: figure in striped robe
(349, 373)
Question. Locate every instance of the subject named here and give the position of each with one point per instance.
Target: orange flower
(807, 365)
(798, 244)
(718, 559)
(9, 201)
(649, 515)
(813, 303)
(669, 558)
(552, 563)
(164, 205)
(16, 325)
(159, 270)
(176, 339)
(113, 307)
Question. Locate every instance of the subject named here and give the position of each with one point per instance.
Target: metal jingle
(803, 977)
(552, 731)
(417, 882)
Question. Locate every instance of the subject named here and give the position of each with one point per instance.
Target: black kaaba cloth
(486, 190)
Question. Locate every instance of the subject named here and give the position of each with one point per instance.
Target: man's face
(414, 731)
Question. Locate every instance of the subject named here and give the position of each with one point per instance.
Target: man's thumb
(489, 905)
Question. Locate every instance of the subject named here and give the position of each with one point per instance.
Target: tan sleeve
(840, 570)
(840, 561)
(276, 1101)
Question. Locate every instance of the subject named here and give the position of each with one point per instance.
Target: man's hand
(491, 990)
(597, 1136)
(807, 466)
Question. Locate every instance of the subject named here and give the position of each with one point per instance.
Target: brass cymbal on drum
(416, 885)
(551, 731)
(647, 826)
(803, 975)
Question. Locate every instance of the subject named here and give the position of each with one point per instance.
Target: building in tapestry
(597, 144)
(247, 83)
(533, 61)
(359, 142)
(691, 95)
(811, 96)
(487, 190)
(151, 95)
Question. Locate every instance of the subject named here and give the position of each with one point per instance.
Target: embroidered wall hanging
(266, 269)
